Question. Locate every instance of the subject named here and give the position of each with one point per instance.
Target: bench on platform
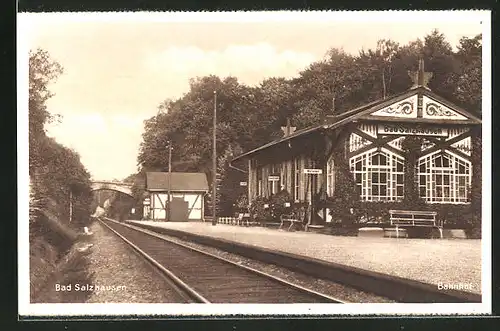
(314, 227)
(415, 218)
(289, 219)
(244, 219)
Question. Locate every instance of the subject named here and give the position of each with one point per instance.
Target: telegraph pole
(169, 178)
(70, 205)
(214, 163)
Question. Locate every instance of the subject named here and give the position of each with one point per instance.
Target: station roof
(181, 181)
(360, 112)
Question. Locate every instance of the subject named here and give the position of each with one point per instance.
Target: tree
(42, 71)
(439, 59)
(276, 99)
(469, 81)
(188, 124)
(228, 188)
(56, 172)
(379, 63)
(249, 117)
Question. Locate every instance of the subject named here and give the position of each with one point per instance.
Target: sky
(119, 67)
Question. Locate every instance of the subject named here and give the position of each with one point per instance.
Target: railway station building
(414, 142)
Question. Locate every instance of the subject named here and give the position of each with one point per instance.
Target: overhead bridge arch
(124, 188)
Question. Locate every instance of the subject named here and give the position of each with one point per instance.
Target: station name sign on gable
(412, 130)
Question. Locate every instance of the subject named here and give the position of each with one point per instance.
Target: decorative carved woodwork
(404, 108)
(433, 109)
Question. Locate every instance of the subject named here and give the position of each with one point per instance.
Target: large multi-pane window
(444, 178)
(379, 175)
(330, 177)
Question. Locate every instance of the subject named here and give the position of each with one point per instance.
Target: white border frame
(182, 310)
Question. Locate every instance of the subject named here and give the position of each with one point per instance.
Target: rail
(392, 287)
(184, 260)
(178, 285)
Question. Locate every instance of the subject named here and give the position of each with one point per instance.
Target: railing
(240, 219)
(226, 220)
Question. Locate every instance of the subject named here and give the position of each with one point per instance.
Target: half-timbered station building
(371, 145)
(186, 190)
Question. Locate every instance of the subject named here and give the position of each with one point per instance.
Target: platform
(429, 261)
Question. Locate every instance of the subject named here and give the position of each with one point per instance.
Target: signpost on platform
(273, 178)
(214, 163)
(243, 184)
(169, 180)
(146, 208)
(312, 171)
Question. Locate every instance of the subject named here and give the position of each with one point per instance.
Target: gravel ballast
(430, 261)
(127, 278)
(335, 290)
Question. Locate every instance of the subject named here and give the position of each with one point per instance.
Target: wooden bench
(285, 219)
(415, 218)
(314, 227)
(243, 219)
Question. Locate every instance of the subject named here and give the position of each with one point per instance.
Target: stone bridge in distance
(121, 187)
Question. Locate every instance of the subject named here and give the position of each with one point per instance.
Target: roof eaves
(355, 113)
(276, 142)
(176, 190)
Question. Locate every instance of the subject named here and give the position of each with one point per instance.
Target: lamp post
(169, 178)
(214, 163)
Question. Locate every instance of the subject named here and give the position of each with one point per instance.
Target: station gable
(417, 112)
(419, 105)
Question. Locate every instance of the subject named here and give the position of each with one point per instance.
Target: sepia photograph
(273, 163)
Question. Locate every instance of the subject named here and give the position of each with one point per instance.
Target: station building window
(297, 179)
(273, 185)
(330, 177)
(259, 182)
(379, 175)
(283, 176)
(444, 178)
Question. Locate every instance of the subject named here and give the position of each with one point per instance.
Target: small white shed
(186, 187)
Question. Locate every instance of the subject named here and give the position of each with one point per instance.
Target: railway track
(394, 288)
(207, 278)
